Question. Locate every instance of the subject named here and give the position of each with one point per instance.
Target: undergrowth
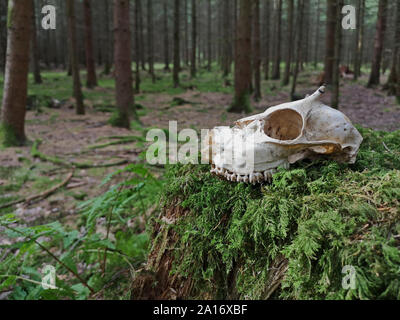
(96, 259)
(321, 216)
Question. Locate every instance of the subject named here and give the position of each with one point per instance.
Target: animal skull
(252, 151)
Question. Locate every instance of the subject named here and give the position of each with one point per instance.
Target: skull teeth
(254, 178)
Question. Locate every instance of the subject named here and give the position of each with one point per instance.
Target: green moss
(8, 137)
(241, 104)
(320, 215)
(120, 120)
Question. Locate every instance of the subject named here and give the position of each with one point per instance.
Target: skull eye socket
(284, 124)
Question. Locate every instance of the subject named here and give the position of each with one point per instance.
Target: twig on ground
(122, 140)
(42, 195)
(70, 164)
(76, 185)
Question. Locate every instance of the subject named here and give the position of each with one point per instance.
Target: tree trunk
(150, 39)
(137, 47)
(123, 64)
(209, 35)
(177, 59)
(330, 40)
(359, 39)
(91, 78)
(35, 50)
(393, 77)
(73, 50)
(185, 48)
(69, 67)
(276, 74)
(141, 36)
(16, 74)
(398, 80)
(166, 36)
(374, 78)
(289, 43)
(300, 16)
(241, 101)
(107, 39)
(306, 31)
(317, 27)
(193, 68)
(200, 35)
(3, 34)
(336, 62)
(267, 40)
(220, 28)
(257, 52)
(227, 48)
(235, 25)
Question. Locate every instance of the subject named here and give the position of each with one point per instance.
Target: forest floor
(89, 139)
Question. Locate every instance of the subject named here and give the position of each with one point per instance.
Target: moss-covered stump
(288, 240)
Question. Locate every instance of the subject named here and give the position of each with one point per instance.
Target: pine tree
(209, 35)
(241, 101)
(374, 78)
(394, 76)
(166, 35)
(35, 50)
(299, 23)
(12, 124)
(257, 51)
(123, 65)
(3, 34)
(193, 68)
(91, 78)
(359, 39)
(74, 62)
(150, 39)
(276, 73)
(177, 61)
(289, 43)
(331, 22)
(336, 61)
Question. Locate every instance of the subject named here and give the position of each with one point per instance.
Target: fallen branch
(42, 195)
(100, 165)
(112, 138)
(76, 185)
(70, 164)
(124, 140)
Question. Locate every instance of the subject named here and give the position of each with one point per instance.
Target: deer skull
(257, 146)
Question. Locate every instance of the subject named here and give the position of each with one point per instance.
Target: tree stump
(290, 239)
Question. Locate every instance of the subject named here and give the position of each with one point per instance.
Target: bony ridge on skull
(257, 146)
